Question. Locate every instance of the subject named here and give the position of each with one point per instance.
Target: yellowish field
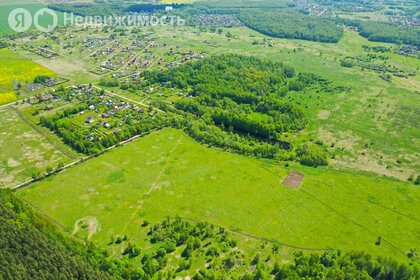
(14, 67)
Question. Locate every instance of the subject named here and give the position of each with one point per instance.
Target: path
(42, 133)
(154, 184)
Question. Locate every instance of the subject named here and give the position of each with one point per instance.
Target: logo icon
(41, 13)
(20, 20)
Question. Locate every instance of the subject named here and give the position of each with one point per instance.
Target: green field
(32, 6)
(167, 173)
(17, 68)
(23, 151)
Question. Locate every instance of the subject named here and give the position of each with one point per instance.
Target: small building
(89, 120)
(91, 107)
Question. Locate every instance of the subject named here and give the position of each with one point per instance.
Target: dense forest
(291, 24)
(384, 31)
(33, 248)
(389, 33)
(88, 9)
(238, 103)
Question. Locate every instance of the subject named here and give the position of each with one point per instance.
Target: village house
(89, 120)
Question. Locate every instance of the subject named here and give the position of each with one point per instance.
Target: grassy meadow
(168, 174)
(23, 151)
(15, 67)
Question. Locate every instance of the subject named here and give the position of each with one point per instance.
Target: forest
(87, 9)
(292, 24)
(34, 248)
(385, 32)
(238, 103)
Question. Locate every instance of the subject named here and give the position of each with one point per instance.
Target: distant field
(167, 173)
(178, 1)
(23, 151)
(14, 67)
(17, 2)
(31, 6)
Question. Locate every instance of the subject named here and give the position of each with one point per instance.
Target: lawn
(167, 173)
(23, 151)
(16, 68)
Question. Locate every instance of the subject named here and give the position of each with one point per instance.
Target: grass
(167, 173)
(23, 152)
(17, 68)
(31, 6)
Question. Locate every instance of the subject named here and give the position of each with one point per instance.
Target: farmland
(25, 152)
(163, 176)
(15, 69)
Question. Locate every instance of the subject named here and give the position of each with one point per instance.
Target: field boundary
(54, 221)
(52, 142)
(81, 160)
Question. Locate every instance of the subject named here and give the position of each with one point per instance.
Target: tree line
(385, 31)
(292, 24)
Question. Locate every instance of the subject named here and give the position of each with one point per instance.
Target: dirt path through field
(154, 185)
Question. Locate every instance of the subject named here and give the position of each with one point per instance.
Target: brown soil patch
(294, 179)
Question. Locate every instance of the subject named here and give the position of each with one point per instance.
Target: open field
(15, 68)
(31, 6)
(23, 151)
(167, 173)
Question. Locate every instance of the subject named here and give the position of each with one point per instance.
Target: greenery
(121, 198)
(34, 248)
(239, 101)
(66, 124)
(41, 79)
(291, 24)
(17, 68)
(17, 166)
(88, 9)
(386, 32)
(167, 173)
